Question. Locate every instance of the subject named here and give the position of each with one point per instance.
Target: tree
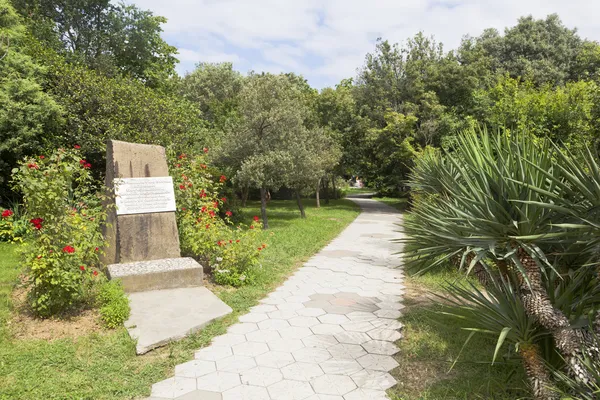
(215, 89)
(29, 117)
(272, 114)
(115, 39)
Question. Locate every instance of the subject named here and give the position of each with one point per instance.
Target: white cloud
(327, 40)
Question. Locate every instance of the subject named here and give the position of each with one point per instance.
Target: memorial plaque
(144, 195)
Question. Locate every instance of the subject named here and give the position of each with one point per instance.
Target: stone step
(167, 273)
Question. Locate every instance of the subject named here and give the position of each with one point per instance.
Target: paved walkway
(327, 333)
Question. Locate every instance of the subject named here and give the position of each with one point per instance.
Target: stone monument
(165, 290)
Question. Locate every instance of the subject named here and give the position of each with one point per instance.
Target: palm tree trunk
(263, 207)
(538, 305)
(537, 373)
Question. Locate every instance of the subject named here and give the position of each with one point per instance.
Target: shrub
(205, 224)
(113, 303)
(64, 217)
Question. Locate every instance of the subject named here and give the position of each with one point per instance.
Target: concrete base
(167, 273)
(160, 316)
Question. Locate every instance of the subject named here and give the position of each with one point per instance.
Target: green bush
(113, 303)
(206, 229)
(64, 215)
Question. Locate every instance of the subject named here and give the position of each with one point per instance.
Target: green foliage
(113, 303)
(65, 238)
(205, 225)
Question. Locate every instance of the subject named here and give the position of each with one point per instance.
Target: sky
(326, 41)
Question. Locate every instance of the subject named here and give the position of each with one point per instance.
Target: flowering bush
(64, 215)
(6, 225)
(205, 224)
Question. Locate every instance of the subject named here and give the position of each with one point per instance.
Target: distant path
(326, 334)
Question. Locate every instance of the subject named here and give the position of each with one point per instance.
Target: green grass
(432, 342)
(105, 366)
(396, 202)
(355, 190)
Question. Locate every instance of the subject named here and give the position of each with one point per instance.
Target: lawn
(399, 203)
(431, 343)
(104, 365)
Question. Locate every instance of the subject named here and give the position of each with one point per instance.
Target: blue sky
(326, 41)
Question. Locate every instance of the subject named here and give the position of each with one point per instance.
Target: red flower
(211, 213)
(205, 149)
(202, 193)
(42, 157)
(207, 226)
(77, 147)
(223, 199)
(81, 267)
(264, 246)
(7, 213)
(220, 243)
(178, 165)
(39, 257)
(228, 213)
(203, 209)
(260, 248)
(33, 165)
(182, 187)
(96, 249)
(190, 184)
(251, 226)
(85, 164)
(216, 204)
(185, 178)
(182, 156)
(37, 223)
(183, 209)
(256, 218)
(95, 273)
(230, 241)
(237, 241)
(68, 249)
(223, 178)
(203, 166)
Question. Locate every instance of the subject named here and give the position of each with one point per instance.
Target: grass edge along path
(105, 366)
(431, 343)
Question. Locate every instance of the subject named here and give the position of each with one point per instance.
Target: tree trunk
(538, 305)
(317, 194)
(333, 187)
(300, 206)
(537, 373)
(263, 207)
(245, 192)
(326, 189)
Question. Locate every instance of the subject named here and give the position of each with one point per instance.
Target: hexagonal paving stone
(284, 314)
(346, 351)
(340, 367)
(377, 362)
(297, 299)
(285, 344)
(213, 353)
(242, 328)
(236, 363)
(389, 335)
(290, 390)
(275, 359)
(173, 387)
(218, 381)
(320, 341)
(380, 347)
(387, 323)
(290, 306)
(273, 325)
(198, 394)
(263, 336)
(324, 397)
(393, 314)
(263, 308)
(261, 376)
(333, 384)
(245, 392)
(306, 322)
(253, 317)
(333, 319)
(302, 371)
(250, 349)
(310, 312)
(359, 326)
(295, 332)
(228, 339)
(376, 380)
(195, 368)
(366, 394)
(352, 337)
(361, 316)
(311, 354)
(326, 329)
